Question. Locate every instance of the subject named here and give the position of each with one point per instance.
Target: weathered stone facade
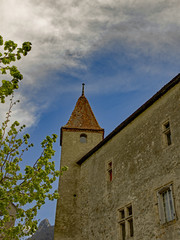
(128, 186)
(81, 123)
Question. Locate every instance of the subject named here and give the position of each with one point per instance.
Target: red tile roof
(82, 116)
(82, 119)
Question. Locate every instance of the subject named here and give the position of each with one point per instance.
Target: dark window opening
(131, 231)
(83, 138)
(167, 125)
(123, 231)
(168, 136)
(110, 164)
(129, 210)
(110, 175)
(122, 214)
(167, 133)
(109, 170)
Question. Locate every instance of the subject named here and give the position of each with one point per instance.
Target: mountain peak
(44, 224)
(44, 232)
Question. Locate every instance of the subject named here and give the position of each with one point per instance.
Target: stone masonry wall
(141, 164)
(67, 225)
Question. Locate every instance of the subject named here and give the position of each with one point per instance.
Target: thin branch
(7, 119)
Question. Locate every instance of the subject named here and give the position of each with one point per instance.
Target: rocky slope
(44, 232)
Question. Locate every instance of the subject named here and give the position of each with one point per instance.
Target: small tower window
(83, 138)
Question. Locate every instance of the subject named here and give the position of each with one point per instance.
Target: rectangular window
(109, 171)
(131, 231)
(122, 214)
(167, 133)
(166, 204)
(122, 230)
(125, 220)
(129, 208)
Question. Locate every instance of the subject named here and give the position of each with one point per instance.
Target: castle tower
(81, 133)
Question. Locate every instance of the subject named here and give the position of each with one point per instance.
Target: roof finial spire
(83, 89)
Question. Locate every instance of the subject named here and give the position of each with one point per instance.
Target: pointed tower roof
(82, 117)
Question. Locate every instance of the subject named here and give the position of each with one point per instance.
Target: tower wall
(67, 224)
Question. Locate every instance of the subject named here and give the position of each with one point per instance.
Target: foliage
(19, 187)
(10, 54)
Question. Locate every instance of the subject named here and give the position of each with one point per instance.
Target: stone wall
(67, 223)
(142, 163)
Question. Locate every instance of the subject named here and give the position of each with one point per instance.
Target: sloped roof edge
(140, 110)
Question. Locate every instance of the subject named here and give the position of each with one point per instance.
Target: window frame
(110, 171)
(126, 222)
(166, 131)
(166, 204)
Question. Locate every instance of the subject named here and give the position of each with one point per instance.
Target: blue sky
(123, 50)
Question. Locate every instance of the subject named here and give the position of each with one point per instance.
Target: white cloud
(64, 31)
(24, 111)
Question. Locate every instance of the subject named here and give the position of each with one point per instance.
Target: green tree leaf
(21, 187)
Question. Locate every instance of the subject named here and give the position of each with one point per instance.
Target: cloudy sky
(124, 51)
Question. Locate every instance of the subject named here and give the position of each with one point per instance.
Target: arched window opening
(83, 138)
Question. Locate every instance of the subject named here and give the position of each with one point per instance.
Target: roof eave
(140, 110)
